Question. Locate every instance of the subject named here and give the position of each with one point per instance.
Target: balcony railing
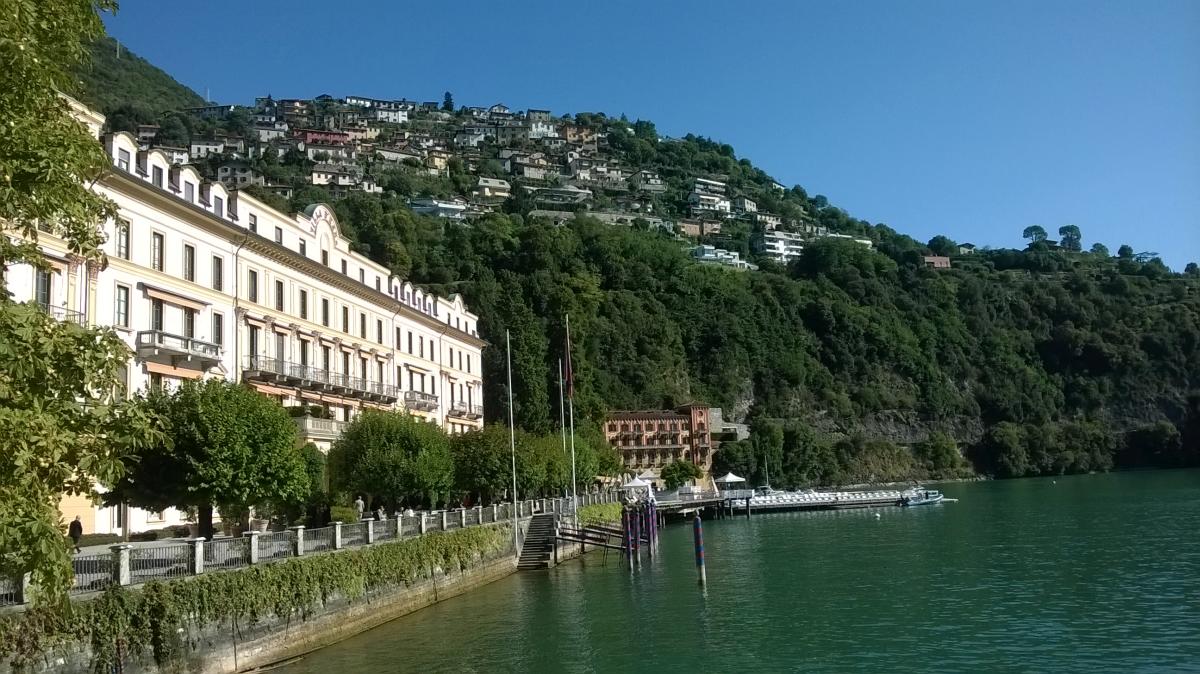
(420, 401)
(62, 314)
(164, 346)
(466, 410)
(262, 368)
(323, 429)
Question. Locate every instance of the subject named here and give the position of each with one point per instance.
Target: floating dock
(740, 500)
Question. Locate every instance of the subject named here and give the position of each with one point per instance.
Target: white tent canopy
(729, 478)
(635, 483)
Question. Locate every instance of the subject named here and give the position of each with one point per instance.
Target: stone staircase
(538, 550)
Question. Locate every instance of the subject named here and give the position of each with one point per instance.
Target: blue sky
(969, 119)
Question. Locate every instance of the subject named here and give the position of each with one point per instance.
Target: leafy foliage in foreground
(154, 619)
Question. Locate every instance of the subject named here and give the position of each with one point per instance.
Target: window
(278, 295)
(43, 287)
(451, 363)
(379, 371)
(219, 206)
(252, 285)
(156, 251)
(325, 358)
(344, 267)
(325, 258)
(346, 364)
(123, 239)
(379, 331)
(189, 262)
(346, 319)
(324, 312)
(123, 306)
(123, 159)
(304, 304)
(254, 223)
(189, 192)
(189, 323)
(304, 352)
(156, 384)
(362, 326)
(303, 247)
(157, 174)
(397, 342)
(280, 346)
(362, 369)
(218, 329)
(421, 345)
(279, 235)
(253, 341)
(218, 273)
(410, 343)
(376, 283)
(362, 275)
(460, 360)
(156, 314)
(468, 363)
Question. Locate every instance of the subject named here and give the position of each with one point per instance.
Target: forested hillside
(1035, 362)
(853, 364)
(117, 76)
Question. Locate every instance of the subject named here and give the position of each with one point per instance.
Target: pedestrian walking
(75, 531)
(359, 506)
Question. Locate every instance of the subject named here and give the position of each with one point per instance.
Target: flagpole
(571, 403)
(512, 440)
(562, 406)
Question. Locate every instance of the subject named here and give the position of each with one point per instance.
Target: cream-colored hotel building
(205, 282)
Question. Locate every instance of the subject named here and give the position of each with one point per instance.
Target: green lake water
(1095, 573)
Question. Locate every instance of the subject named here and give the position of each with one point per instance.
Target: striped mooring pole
(698, 534)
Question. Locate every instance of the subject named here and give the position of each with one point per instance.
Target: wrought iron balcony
(466, 410)
(62, 314)
(276, 370)
(319, 429)
(164, 347)
(416, 400)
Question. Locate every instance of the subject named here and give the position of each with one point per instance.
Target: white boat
(918, 496)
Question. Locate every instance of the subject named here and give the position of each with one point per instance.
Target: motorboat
(918, 496)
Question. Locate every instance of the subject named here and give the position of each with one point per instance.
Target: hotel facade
(203, 282)
(648, 440)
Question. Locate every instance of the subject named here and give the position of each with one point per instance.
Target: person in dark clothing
(75, 531)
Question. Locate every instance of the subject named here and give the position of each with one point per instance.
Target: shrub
(343, 514)
(99, 539)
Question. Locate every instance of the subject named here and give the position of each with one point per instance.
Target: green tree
(940, 456)
(676, 473)
(64, 428)
(1034, 233)
(448, 102)
(1100, 250)
(173, 132)
(226, 447)
(942, 245)
(1192, 269)
(1125, 252)
(482, 462)
(392, 458)
(1070, 238)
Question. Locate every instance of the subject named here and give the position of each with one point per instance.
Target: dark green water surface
(1093, 573)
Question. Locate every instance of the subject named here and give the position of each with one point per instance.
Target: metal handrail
(62, 314)
(420, 398)
(157, 338)
(286, 368)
